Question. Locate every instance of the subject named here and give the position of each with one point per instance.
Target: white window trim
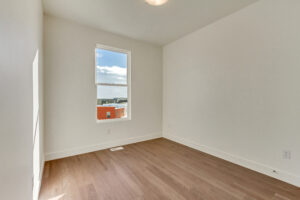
(128, 85)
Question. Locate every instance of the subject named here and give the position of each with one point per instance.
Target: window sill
(112, 120)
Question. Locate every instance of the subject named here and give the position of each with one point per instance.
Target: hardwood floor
(157, 169)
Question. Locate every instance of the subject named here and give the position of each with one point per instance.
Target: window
(113, 83)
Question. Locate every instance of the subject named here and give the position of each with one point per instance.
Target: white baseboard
(281, 175)
(97, 147)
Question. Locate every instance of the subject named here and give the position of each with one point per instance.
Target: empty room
(150, 99)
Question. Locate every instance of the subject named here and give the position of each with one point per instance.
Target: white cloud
(110, 92)
(113, 74)
(116, 70)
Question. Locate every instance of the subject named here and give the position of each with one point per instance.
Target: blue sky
(111, 58)
(111, 68)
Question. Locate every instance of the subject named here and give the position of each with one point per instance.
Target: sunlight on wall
(36, 127)
(35, 76)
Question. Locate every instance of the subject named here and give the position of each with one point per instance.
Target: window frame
(128, 85)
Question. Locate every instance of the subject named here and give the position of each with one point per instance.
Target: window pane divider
(112, 84)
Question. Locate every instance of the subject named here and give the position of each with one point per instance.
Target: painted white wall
(233, 88)
(70, 90)
(20, 39)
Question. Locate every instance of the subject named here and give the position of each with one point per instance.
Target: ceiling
(136, 19)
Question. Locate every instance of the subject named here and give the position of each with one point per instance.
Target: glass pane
(112, 102)
(111, 67)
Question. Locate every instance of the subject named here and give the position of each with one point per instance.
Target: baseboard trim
(97, 147)
(261, 168)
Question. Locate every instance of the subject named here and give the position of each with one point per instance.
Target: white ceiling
(138, 20)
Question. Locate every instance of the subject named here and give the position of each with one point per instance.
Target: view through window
(112, 83)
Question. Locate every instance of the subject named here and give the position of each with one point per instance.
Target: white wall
(70, 91)
(232, 89)
(20, 39)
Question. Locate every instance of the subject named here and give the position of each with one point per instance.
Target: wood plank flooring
(157, 169)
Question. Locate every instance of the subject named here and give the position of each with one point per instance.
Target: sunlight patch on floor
(58, 197)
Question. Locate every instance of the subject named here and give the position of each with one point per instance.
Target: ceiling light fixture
(156, 2)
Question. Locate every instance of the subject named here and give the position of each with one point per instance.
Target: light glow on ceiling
(156, 2)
